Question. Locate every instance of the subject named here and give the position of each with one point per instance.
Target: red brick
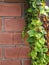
(1, 63)
(0, 52)
(1, 0)
(14, 24)
(27, 62)
(18, 38)
(6, 38)
(17, 52)
(0, 24)
(10, 9)
(10, 62)
(14, 0)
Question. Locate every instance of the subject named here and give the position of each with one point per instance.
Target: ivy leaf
(33, 22)
(29, 10)
(37, 49)
(31, 39)
(42, 11)
(36, 22)
(30, 26)
(38, 44)
(45, 49)
(38, 35)
(47, 58)
(31, 33)
(39, 23)
(42, 41)
(33, 54)
(34, 4)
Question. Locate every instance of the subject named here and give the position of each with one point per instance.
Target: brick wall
(13, 49)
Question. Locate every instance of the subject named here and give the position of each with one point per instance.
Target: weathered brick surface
(10, 62)
(13, 48)
(10, 9)
(27, 62)
(14, 24)
(17, 52)
(5, 38)
(17, 38)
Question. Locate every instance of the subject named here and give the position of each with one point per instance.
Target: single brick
(6, 38)
(0, 24)
(1, 62)
(10, 62)
(14, 24)
(10, 9)
(17, 52)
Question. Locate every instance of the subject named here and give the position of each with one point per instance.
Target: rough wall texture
(13, 50)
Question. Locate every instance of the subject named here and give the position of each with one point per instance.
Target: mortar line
(3, 24)
(22, 62)
(15, 17)
(15, 59)
(17, 45)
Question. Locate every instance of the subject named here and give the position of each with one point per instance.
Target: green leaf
(42, 41)
(33, 54)
(30, 26)
(33, 22)
(38, 35)
(42, 11)
(31, 39)
(36, 22)
(29, 10)
(37, 49)
(31, 33)
(45, 49)
(38, 44)
(34, 4)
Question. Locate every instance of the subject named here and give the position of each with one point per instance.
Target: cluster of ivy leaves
(36, 32)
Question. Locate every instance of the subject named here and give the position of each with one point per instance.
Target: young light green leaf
(31, 33)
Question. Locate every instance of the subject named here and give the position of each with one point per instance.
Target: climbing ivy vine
(36, 32)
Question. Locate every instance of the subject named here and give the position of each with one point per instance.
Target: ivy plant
(36, 32)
